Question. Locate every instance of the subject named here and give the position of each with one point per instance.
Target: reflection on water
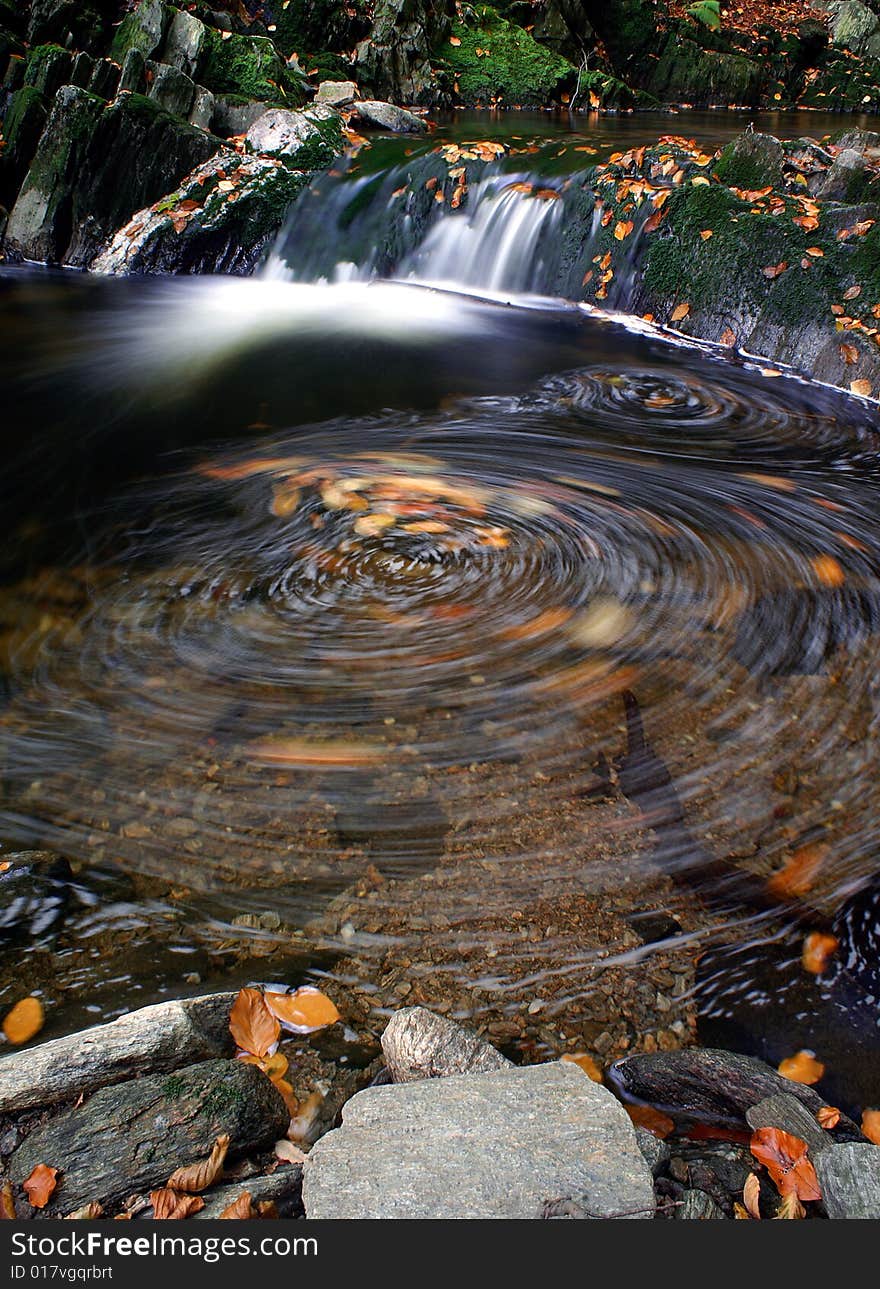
(347, 689)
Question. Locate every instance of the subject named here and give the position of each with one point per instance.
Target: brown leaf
(828, 1117)
(801, 870)
(801, 1068)
(852, 292)
(252, 1024)
(816, 252)
(303, 1011)
(455, 40)
(240, 1207)
(170, 1206)
(24, 1020)
(829, 573)
(289, 1153)
(622, 229)
(40, 1184)
(199, 1176)
(705, 234)
(790, 1207)
(785, 1158)
(849, 354)
(728, 338)
(863, 387)
(818, 951)
(87, 1213)
(680, 312)
(587, 1064)
(751, 1196)
(7, 1203)
(644, 1116)
(774, 270)
(871, 1125)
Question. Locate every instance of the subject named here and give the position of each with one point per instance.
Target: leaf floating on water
(603, 623)
(827, 570)
(296, 751)
(303, 1011)
(24, 1020)
(199, 1176)
(170, 1206)
(752, 1196)
(252, 1024)
(246, 469)
(802, 1068)
(817, 952)
(828, 1117)
(39, 1185)
(772, 481)
(785, 1158)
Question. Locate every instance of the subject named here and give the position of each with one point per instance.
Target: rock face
(849, 1177)
(336, 93)
(503, 1144)
(389, 117)
(855, 26)
(395, 60)
(146, 1041)
(95, 165)
(417, 1044)
(307, 139)
(129, 1138)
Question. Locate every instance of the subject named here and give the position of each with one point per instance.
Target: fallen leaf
(802, 1068)
(871, 1125)
(7, 1203)
(751, 1196)
(87, 1213)
(199, 1176)
(586, 1063)
(24, 1020)
(240, 1207)
(252, 1024)
(800, 871)
(849, 354)
(680, 311)
(170, 1206)
(303, 752)
(303, 1011)
(774, 270)
(817, 952)
(816, 252)
(645, 1116)
(862, 387)
(455, 40)
(785, 1158)
(307, 1113)
(790, 1207)
(622, 229)
(289, 1153)
(40, 1184)
(852, 292)
(828, 1117)
(706, 233)
(728, 338)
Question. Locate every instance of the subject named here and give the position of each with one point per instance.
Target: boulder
(491, 1145)
(22, 127)
(283, 1188)
(787, 1113)
(171, 89)
(128, 1139)
(84, 25)
(94, 166)
(248, 66)
(143, 30)
(849, 1178)
(234, 115)
(105, 78)
(48, 68)
(845, 180)
(336, 93)
(388, 117)
(203, 107)
(184, 46)
(226, 231)
(81, 70)
(395, 60)
(751, 161)
(307, 140)
(417, 1044)
(149, 1040)
(133, 77)
(854, 26)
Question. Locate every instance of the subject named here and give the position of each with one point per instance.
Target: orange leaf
(802, 1068)
(644, 1116)
(728, 338)
(828, 1117)
(851, 292)
(24, 1020)
(239, 1208)
(818, 951)
(706, 233)
(201, 1175)
(170, 1206)
(587, 1064)
(454, 40)
(751, 1196)
(40, 1185)
(807, 222)
(862, 387)
(303, 1011)
(622, 229)
(7, 1203)
(785, 1158)
(849, 354)
(680, 311)
(294, 751)
(827, 570)
(774, 270)
(816, 252)
(251, 1023)
(799, 873)
(871, 1125)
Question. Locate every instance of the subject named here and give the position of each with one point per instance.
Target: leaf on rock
(801, 870)
(252, 1024)
(24, 1020)
(39, 1185)
(7, 1203)
(240, 1207)
(828, 1117)
(849, 354)
(288, 1153)
(586, 1063)
(790, 1208)
(645, 1116)
(199, 1176)
(785, 1158)
(871, 1125)
(303, 1011)
(829, 573)
(774, 270)
(862, 387)
(752, 1195)
(802, 1068)
(680, 311)
(171, 1206)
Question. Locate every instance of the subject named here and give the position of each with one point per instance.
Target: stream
(323, 597)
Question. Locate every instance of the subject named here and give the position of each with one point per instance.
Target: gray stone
(133, 77)
(296, 137)
(171, 89)
(654, 1149)
(82, 69)
(852, 25)
(146, 1041)
(48, 69)
(849, 1178)
(129, 1138)
(105, 78)
(417, 1044)
(752, 160)
(142, 30)
(502, 1144)
(202, 111)
(231, 116)
(697, 1205)
(844, 177)
(786, 1112)
(388, 117)
(185, 43)
(336, 93)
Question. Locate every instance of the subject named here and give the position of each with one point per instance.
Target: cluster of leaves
(257, 1019)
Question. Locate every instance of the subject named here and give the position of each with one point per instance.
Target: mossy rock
(611, 93)
(509, 66)
(309, 25)
(687, 73)
(48, 68)
(144, 30)
(250, 66)
(22, 127)
(752, 161)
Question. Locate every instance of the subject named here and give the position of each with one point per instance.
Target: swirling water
(320, 607)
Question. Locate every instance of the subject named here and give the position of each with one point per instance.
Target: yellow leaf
(706, 233)
(801, 1068)
(751, 1196)
(828, 1117)
(680, 311)
(24, 1020)
(303, 1011)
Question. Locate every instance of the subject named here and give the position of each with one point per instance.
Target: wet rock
(218, 235)
(248, 66)
(654, 1150)
(845, 180)
(67, 20)
(48, 68)
(34, 894)
(752, 161)
(708, 1085)
(307, 140)
(698, 1205)
(201, 113)
(389, 117)
(171, 89)
(81, 70)
(283, 1188)
(336, 93)
(855, 26)
(133, 77)
(105, 78)
(22, 127)
(450, 1148)
(152, 1039)
(233, 115)
(849, 1178)
(129, 1138)
(395, 59)
(185, 43)
(143, 30)
(419, 1045)
(786, 1112)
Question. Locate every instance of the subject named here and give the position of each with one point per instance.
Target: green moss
(27, 105)
(306, 26)
(750, 162)
(511, 65)
(174, 1087)
(47, 68)
(250, 66)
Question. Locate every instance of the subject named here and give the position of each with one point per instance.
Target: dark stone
(48, 68)
(786, 1112)
(752, 161)
(133, 77)
(129, 1138)
(171, 89)
(105, 78)
(84, 25)
(23, 125)
(698, 1205)
(82, 70)
(144, 30)
(283, 1188)
(394, 62)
